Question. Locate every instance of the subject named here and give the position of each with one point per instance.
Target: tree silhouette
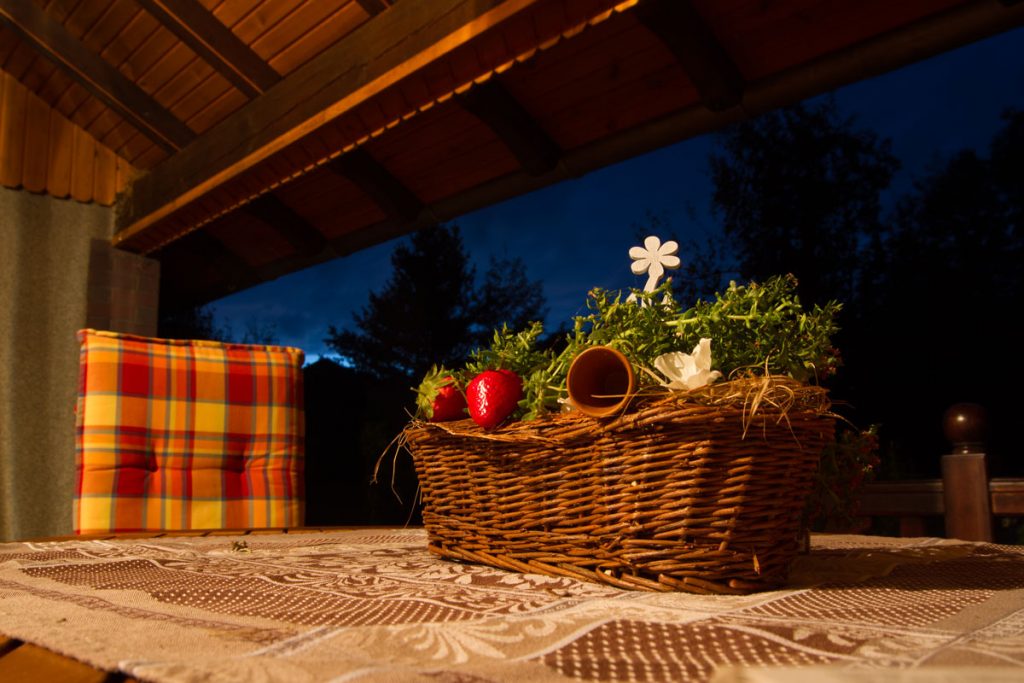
(202, 322)
(198, 322)
(431, 311)
(507, 297)
(798, 190)
(941, 294)
(931, 291)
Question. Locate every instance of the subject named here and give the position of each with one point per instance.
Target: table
(374, 605)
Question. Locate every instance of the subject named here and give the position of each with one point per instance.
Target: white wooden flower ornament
(653, 258)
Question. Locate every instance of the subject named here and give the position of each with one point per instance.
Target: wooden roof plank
(58, 173)
(82, 165)
(215, 43)
(683, 30)
(377, 182)
(94, 74)
(22, 57)
(37, 139)
(104, 176)
(515, 127)
(324, 33)
(14, 104)
(376, 55)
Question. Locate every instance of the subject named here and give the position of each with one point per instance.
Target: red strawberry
(493, 395)
(449, 404)
(438, 397)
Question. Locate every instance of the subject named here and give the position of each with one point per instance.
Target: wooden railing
(965, 497)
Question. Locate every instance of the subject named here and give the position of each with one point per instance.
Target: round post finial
(966, 427)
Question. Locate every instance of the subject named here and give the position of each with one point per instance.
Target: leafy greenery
(764, 326)
(754, 328)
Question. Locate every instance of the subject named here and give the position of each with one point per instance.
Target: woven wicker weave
(672, 496)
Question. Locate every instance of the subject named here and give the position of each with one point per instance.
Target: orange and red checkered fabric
(178, 434)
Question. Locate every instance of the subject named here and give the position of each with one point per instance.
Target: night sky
(575, 235)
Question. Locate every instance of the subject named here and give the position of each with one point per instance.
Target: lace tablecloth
(376, 606)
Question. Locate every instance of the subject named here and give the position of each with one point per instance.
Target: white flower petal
(655, 270)
(688, 371)
(702, 353)
(652, 243)
(638, 252)
(640, 266)
(668, 248)
(670, 261)
(701, 378)
(670, 364)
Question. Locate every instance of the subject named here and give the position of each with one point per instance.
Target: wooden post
(968, 508)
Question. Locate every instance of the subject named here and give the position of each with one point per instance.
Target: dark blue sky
(576, 235)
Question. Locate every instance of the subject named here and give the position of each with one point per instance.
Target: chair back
(186, 434)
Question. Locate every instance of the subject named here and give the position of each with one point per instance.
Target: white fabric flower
(653, 258)
(688, 370)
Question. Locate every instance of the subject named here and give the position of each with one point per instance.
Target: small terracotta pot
(600, 381)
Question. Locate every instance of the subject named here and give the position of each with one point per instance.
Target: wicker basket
(674, 496)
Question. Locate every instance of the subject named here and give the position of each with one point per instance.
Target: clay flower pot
(600, 381)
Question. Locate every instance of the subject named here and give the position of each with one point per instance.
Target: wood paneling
(37, 138)
(128, 98)
(41, 151)
(368, 118)
(12, 131)
(215, 43)
(386, 54)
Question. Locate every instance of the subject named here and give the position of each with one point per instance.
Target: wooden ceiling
(245, 139)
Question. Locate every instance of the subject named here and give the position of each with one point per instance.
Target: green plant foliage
(754, 329)
(763, 328)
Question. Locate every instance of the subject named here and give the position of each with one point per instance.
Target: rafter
(101, 79)
(376, 181)
(505, 116)
(710, 68)
(405, 38)
(302, 235)
(372, 7)
(195, 26)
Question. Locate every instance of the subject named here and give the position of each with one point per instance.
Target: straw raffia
(700, 492)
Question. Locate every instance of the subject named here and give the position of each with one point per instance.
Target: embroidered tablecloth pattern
(376, 606)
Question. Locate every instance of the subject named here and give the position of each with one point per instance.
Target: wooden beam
(195, 26)
(387, 192)
(683, 30)
(101, 79)
(502, 113)
(302, 235)
(377, 55)
(372, 7)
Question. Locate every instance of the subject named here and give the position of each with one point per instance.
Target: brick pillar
(123, 290)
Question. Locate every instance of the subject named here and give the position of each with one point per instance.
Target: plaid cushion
(175, 434)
